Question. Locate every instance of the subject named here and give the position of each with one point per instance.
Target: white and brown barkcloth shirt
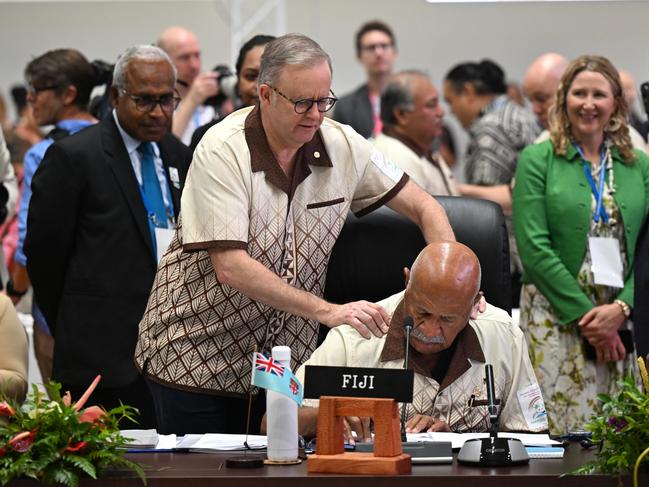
(492, 338)
(197, 334)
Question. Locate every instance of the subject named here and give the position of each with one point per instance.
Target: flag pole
(246, 461)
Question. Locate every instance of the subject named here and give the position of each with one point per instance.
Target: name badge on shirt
(533, 407)
(606, 260)
(163, 238)
(175, 178)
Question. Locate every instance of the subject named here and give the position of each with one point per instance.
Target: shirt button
(316, 154)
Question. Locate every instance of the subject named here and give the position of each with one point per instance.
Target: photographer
(193, 87)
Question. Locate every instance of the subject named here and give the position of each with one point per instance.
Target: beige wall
(430, 36)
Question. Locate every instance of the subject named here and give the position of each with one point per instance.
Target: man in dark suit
(376, 50)
(103, 202)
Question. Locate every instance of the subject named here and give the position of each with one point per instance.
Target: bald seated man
(449, 346)
(194, 88)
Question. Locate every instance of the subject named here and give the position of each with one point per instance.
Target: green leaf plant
(51, 439)
(621, 429)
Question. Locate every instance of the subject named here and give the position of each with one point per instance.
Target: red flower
(91, 414)
(21, 441)
(6, 410)
(76, 447)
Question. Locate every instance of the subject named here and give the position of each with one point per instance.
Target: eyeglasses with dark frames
(146, 103)
(302, 106)
(35, 90)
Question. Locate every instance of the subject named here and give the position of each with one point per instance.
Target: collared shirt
(501, 131)
(427, 169)
(197, 334)
(492, 338)
(132, 145)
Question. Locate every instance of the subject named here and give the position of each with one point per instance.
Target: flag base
(245, 461)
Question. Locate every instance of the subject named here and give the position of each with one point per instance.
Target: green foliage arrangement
(56, 441)
(621, 428)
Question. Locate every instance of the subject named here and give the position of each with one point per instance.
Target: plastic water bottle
(281, 417)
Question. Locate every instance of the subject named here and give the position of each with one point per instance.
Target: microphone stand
(492, 451)
(408, 325)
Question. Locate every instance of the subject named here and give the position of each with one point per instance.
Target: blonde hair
(617, 129)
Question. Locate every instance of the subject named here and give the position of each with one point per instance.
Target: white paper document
(149, 440)
(458, 439)
(221, 442)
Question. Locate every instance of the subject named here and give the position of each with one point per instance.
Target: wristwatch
(11, 291)
(625, 307)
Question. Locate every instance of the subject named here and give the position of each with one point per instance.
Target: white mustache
(419, 335)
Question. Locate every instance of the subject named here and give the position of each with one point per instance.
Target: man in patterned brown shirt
(266, 197)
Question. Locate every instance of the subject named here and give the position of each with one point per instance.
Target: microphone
(408, 325)
(491, 394)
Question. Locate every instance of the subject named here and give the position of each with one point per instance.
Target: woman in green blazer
(582, 194)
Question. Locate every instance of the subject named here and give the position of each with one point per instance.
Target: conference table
(208, 469)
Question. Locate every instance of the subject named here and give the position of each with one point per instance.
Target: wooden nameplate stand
(387, 458)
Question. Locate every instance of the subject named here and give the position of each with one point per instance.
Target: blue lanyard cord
(599, 194)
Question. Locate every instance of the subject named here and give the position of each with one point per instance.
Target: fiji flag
(270, 374)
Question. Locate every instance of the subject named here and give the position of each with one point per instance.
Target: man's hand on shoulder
(422, 422)
(367, 318)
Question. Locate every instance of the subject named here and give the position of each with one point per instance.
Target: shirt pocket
(322, 204)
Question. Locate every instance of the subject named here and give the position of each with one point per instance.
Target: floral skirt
(569, 381)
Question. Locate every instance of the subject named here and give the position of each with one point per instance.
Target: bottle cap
(282, 353)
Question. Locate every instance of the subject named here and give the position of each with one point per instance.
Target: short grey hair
(399, 93)
(141, 52)
(290, 49)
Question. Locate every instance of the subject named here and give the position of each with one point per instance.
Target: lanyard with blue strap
(598, 194)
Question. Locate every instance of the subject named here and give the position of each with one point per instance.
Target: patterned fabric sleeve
(491, 159)
(378, 178)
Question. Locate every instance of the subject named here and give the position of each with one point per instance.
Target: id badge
(163, 238)
(606, 260)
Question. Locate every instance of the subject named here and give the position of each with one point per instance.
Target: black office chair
(368, 259)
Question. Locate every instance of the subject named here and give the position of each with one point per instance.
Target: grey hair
(142, 52)
(399, 93)
(290, 49)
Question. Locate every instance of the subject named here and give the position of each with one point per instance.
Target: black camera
(227, 86)
(644, 91)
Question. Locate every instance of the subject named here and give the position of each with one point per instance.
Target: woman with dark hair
(247, 66)
(579, 202)
(498, 130)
